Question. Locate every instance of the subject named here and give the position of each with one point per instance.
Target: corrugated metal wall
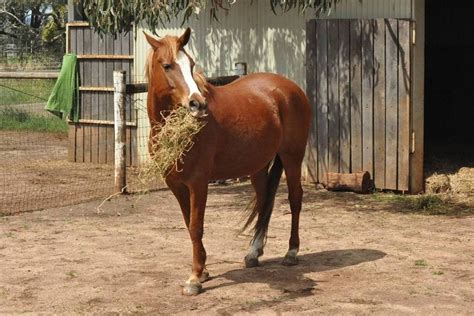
(251, 33)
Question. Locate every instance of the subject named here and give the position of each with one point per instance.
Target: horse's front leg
(198, 198)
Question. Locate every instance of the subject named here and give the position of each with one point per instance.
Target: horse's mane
(198, 76)
(148, 65)
(201, 82)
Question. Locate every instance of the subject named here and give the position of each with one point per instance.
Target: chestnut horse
(257, 125)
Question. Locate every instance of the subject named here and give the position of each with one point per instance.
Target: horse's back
(273, 89)
(256, 83)
(257, 116)
(292, 104)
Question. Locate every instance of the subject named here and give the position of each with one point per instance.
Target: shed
(360, 122)
(363, 68)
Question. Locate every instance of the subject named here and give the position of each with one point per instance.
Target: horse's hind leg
(292, 166)
(259, 182)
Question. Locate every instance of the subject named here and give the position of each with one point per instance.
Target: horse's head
(170, 75)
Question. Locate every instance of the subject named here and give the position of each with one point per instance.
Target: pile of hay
(170, 143)
(462, 182)
(459, 182)
(437, 183)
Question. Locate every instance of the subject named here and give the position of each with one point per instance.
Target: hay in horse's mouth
(170, 142)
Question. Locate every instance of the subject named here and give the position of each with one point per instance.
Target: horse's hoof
(192, 288)
(204, 276)
(251, 262)
(290, 260)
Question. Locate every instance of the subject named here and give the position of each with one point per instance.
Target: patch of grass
(432, 204)
(71, 274)
(18, 119)
(21, 91)
(389, 197)
(427, 204)
(421, 263)
(438, 272)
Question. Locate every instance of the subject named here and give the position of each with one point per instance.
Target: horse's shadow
(292, 280)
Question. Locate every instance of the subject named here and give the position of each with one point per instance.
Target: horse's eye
(167, 67)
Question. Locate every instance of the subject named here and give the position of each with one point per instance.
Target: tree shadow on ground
(292, 280)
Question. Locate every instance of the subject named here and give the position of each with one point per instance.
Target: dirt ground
(35, 174)
(359, 255)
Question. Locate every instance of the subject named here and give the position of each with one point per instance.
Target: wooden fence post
(241, 68)
(120, 131)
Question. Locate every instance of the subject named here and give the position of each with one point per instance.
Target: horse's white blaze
(185, 65)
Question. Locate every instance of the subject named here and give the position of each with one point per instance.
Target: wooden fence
(29, 74)
(359, 85)
(92, 138)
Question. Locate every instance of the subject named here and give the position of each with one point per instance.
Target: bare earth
(358, 256)
(35, 174)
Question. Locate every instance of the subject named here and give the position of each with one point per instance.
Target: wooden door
(359, 83)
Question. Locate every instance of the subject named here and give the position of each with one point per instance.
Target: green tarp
(64, 99)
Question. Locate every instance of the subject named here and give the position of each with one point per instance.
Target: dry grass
(455, 186)
(437, 183)
(462, 182)
(170, 143)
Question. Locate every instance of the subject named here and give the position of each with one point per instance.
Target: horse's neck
(210, 92)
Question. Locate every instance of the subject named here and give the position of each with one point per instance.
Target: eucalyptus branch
(13, 16)
(117, 16)
(24, 25)
(8, 34)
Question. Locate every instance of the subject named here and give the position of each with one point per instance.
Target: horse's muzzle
(198, 109)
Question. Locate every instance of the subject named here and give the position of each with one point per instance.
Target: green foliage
(14, 115)
(21, 106)
(320, 7)
(22, 91)
(33, 26)
(20, 120)
(55, 26)
(428, 202)
(116, 16)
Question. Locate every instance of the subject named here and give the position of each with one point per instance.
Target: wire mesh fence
(39, 157)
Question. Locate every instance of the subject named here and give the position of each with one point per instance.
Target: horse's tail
(261, 226)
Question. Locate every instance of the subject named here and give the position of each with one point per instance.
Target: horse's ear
(154, 43)
(184, 39)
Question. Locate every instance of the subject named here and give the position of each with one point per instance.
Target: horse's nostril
(193, 104)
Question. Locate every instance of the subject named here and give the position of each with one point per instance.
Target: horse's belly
(244, 151)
